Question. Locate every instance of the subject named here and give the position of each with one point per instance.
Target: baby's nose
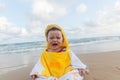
(55, 39)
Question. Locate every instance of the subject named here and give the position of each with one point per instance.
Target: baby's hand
(82, 71)
(33, 77)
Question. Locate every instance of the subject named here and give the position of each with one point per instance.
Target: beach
(101, 58)
(102, 66)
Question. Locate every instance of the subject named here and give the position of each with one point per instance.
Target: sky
(26, 20)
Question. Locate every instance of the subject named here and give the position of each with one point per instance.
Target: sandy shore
(102, 66)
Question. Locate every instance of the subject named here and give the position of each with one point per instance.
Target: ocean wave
(28, 47)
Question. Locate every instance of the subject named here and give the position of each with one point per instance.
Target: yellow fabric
(56, 63)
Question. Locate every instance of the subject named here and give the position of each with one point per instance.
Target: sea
(17, 55)
(36, 46)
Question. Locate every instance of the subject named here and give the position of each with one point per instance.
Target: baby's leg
(46, 78)
(72, 75)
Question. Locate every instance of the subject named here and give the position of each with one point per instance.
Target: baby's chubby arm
(78, 64)
(36, 70)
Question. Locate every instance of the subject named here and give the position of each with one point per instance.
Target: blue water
(20, 48)
(29, 47)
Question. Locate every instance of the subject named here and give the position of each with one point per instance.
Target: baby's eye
(58, 38)
(51, 37)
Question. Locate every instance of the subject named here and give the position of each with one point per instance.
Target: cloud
(106, 24)
(44, 12)
(10, 33)
(117, 5)
(110, 16)
(35, 27)
(2, 7)
(10, 29)
(47, 11)
(3, 23)
(81, 8)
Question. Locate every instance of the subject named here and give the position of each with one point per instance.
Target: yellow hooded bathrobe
(56, 63)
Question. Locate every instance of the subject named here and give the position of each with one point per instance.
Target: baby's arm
(78, 64)
(36, 70)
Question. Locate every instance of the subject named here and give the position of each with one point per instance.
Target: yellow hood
(65, 42)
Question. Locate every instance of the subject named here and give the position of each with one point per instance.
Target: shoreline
(102, 66)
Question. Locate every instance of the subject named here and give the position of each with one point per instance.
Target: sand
(102, 66)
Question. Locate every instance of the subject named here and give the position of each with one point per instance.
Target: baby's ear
(46, 39)
(63, 40)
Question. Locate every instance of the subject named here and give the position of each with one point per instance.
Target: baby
(57, 61)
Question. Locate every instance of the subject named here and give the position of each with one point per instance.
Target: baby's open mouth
(54, 44)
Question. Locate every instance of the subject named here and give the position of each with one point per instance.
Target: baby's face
(55, 39)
